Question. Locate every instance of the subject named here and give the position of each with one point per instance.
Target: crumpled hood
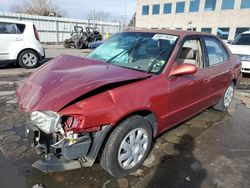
(66, 78)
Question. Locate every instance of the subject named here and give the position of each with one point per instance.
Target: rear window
(11, 28)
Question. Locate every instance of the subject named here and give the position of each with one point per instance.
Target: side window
(191, 52)
(11, 28)
(215, 51)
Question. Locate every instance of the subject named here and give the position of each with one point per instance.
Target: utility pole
(125, 11)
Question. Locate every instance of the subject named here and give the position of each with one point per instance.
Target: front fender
(104, 108)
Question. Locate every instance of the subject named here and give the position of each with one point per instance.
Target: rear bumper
(42, 55)
(65, 156)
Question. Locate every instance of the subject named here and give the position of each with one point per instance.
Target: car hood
(240, 49)
(65, 78)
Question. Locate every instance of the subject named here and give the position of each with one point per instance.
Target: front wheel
(226, 100)
(127, 147)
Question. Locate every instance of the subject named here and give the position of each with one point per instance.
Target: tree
(98, 16)
(38, 7)
(132, 21)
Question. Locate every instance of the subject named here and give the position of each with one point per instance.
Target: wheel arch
(39, 58)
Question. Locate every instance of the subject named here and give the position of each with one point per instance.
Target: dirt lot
(210, 150)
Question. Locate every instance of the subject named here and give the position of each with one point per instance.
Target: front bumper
(65, 156)
(245, 67)
(43, 142)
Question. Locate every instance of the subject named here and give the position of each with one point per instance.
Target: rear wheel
(28, 59)
(127, 147)
(226, 100)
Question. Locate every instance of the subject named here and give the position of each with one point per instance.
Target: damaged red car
(113, 102)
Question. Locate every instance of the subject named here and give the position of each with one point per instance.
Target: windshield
(147, 52)
(242, 39)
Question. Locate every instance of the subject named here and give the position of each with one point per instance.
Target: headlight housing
(244, 57)
(47, 121)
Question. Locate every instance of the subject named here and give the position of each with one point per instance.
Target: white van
(19, 41)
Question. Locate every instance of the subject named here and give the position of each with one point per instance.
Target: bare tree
(38, 7)
(98, 16)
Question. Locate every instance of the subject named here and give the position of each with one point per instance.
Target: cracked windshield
(147, 52)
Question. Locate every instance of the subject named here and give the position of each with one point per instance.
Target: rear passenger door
(10, 35)
(217, 59)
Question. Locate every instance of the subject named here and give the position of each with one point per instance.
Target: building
(225, 18)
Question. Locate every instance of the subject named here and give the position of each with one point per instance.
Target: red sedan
(113, 102)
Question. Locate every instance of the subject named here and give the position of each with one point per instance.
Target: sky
(80, 8)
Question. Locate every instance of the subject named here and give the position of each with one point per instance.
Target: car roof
(15, 21)
(246, 32)
(181, 33)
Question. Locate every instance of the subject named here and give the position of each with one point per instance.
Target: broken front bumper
(65, 156)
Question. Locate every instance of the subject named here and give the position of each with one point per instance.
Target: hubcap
(228, 96)
(29, 59)
(133, 148)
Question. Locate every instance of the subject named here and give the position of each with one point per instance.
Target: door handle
(18, 39)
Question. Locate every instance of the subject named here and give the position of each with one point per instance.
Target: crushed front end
(54, 137)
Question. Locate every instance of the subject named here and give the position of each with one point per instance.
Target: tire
(79, 45)
(113, 150)
(66, 44)
(226, 99)
(28, 59)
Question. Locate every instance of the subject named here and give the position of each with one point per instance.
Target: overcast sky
(80, 8)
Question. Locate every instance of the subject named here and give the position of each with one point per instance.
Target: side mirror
(229, 41)
(183, 69)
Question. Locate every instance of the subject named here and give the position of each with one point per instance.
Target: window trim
(221, 45)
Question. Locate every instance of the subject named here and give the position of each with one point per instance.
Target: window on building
(210, 5)
(145, 9)
(245, 4)
(156, 9)
(167, 8)
(194, 5)
(240, 30)
(180, 7)
(207, 30)
(223, 33)
(227, 4)
(215, 51)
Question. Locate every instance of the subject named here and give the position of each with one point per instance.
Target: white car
(19, 41)
(241, 46)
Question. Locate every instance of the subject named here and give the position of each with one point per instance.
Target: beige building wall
(213, 19)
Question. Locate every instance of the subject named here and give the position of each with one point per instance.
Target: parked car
(113, 102)
(241, 46)
(19, 41)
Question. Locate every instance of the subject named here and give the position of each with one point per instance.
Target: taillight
(36, 33)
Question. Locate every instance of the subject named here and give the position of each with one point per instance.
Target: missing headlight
(47, 121)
